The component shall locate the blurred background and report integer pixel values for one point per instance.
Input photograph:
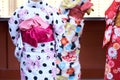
(7, 7)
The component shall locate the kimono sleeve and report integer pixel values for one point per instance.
(15, 34)
(111, 12)
(59, 30)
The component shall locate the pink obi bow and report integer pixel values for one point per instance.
(86, 6)
(36, 31)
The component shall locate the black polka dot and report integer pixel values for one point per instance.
(24, 63)
(44, 64)
(21, 54)
(37, 14)
(56, 21)
(17, 54)
(42, 45)
(26, 78)
(52, 22)
(51, 14)
(42, 51)
(41, 2)
(33, 6)
(40, 71)
(35, 78)
(17, 29)
(53, 63)
(47, 17)
(13, 37)
(18, 16)
(51, 43)
(32, 49)
(19, 48)
(29, 70)
(10, 29)
(39, 57)
(45, 78)
(16, 22)
(28, 56)
(51, 49)
(21, 69)
(57, 13)
(14, 13)
(50, 71)
(21, 7)
(46, 4)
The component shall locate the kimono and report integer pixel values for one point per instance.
(112, 41)
(68, 65)
(36, 30)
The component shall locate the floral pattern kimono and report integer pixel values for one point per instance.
(68, 65)
(36, 30)
(112, 41)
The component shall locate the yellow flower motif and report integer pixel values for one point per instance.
(69, 28)
(77, 51)
(61, 78)
(70, 3)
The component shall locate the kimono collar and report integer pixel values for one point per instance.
(39, 4)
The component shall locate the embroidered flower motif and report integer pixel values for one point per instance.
(62, 65)
(107, 35)
(61, 78)
(70, 56)
(69, 28)
(75, 38)
(70, 71)
(72, 78)
(112, 52)
(111, 63)
(64, 41)
(116, 46)
(108, 32)
(68, 47)
(115, 71)
(109, 76)
(117, 31)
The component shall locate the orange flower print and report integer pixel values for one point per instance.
(116, 46)
(115, 71)
(70, 71)
(64, 41)
(77, 22)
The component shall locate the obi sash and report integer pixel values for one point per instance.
(33, 34)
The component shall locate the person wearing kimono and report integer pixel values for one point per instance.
(36, 30)
(68, 65)
(112, 41)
